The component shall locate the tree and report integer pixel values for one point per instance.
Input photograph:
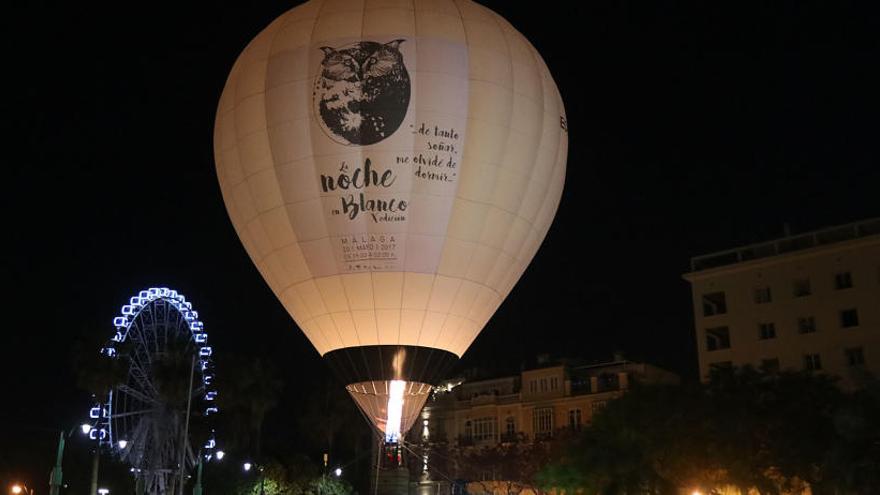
(746, 429)
(327, 485)
(249, 388)
(614, 455)
(329, 413)
(508, 468)
(96, 373)
(291, 475)
(852, 465)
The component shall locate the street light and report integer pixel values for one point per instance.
(103, 491)
(247, 466)
(86, 428)
(123, 444)
(338, 472)
(220, 455)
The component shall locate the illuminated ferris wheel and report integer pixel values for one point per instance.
(165, 380)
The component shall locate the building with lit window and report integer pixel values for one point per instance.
(535, 404)
(809, 301)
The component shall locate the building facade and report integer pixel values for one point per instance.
(534, 405)
(810, 301)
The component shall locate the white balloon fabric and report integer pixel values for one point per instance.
(391, 167)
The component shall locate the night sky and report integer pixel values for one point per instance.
(694, 127)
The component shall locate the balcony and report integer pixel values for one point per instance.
(605, 382)
(490, 399)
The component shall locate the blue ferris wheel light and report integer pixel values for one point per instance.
(97, 434)
(177, 300)
(97, 412)
(131, 321)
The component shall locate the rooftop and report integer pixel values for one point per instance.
(783, 245)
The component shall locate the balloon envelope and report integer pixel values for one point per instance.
(391, 167)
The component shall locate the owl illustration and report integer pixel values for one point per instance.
(362, 93)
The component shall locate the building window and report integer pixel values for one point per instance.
(714, 304)
(806, 324)
(484, 429)
(510, 426)
(554, 383)
(543, 384)
(849, 318)
(574, 419)
(468, 430)
(597, 406)
(762, 295)
(717, 338)
(767, 331)
(843, 280)
(854, 356)
(543, 422)
(812, 362)
(533, 386)
(770, 365)
(801, 287)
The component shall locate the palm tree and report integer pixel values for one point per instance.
(95, 373)
(329, 411)
(249, 389)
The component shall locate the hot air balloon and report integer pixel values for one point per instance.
(391, 167)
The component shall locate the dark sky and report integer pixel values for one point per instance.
(694, 127)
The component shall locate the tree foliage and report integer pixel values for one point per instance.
(328, 418)
(509, 468)
(771, 433)
(96, 373)
(505, 468)
(292, 475)
(249, 388)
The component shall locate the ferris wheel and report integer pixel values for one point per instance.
(165, 377)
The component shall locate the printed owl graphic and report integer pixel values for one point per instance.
(362, 93)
